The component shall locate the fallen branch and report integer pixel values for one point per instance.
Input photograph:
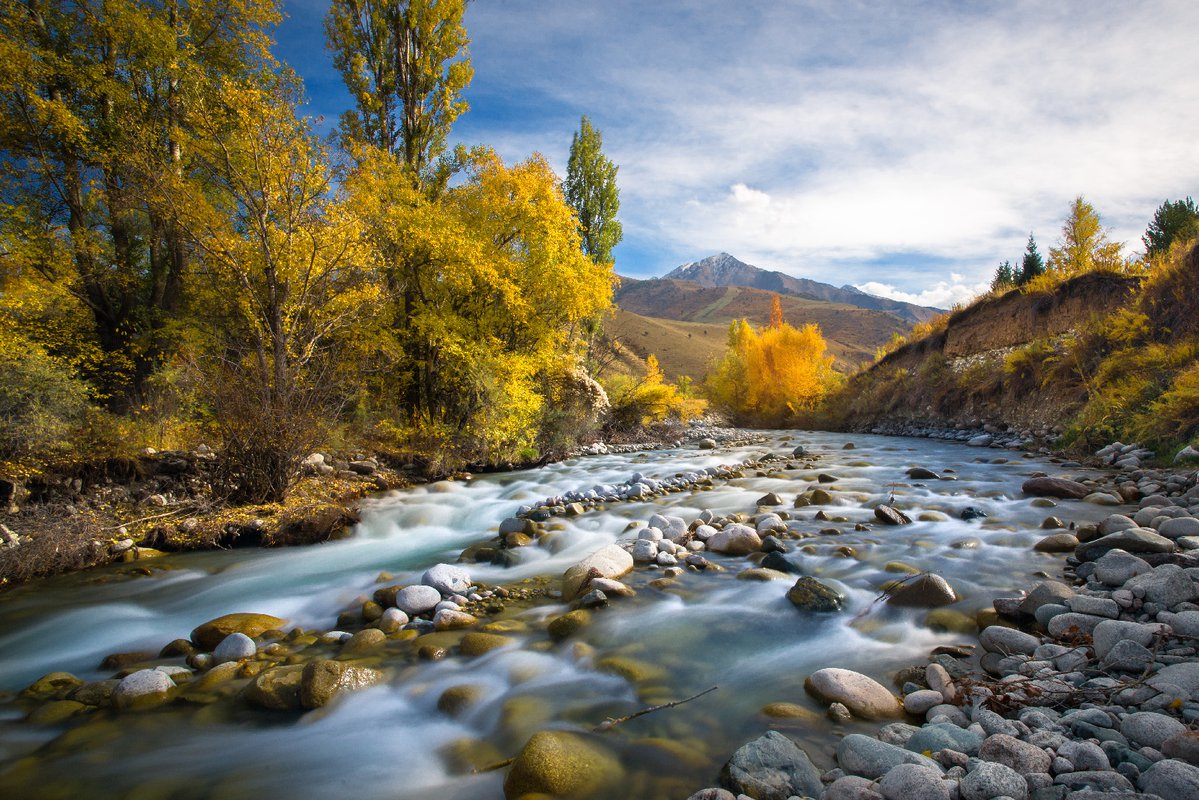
(493, 767)
(612, 722)
(147, 519)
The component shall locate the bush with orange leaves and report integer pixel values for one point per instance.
(772, 375)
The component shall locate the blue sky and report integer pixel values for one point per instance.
(903, 147)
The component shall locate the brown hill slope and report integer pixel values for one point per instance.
(853, 334)
(1027, 361)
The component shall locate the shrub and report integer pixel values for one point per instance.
(42, 403)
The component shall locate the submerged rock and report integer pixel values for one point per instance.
(143, 689)
(323, 680)
(561, 764)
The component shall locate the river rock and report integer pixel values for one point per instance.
(234, 647)
(611, 561)
(363, 642)
(417, 599)
(922, 474)
(1057, 543)
(276, 689)
(770, 499)
(998, 639)
(925, 591)
(864, 696)
(1179, 527)
(921, 700)
(323, 680)
(735, 540)
(1011, 752)
(870, 758)
(989, 780)
(771, 767)
(889, 515)
(476, 643)
(612, 588)
(1184, 746)
(1044, 593)
(561, 764)
(1106, 634)
(645, 551)
(1150, 729)
(907, 781)
(1055, 487)
(1133, 540)
(673, 528)
(1171, 779)
(568, 624)
(211, 633)
(449, 619)
(809, 594)
(447, 579)
(143, 689)
(1167, 586)
(1116, 567)
(938, 736)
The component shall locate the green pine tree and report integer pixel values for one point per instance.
(1173, 221)
(1032, 265)
(1005, 278)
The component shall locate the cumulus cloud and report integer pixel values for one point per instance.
(943, 294)
(851, 141)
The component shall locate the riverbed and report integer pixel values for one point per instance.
(669, 642)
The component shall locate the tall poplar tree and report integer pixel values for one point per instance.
(591, 191)
(406, 64)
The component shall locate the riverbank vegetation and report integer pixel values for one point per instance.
(1095, 348)
(185, 260)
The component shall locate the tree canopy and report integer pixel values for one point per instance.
(1084, 245)
(1173, 221)
(592, 192)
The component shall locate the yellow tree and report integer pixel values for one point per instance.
(1084, 245)
(767, 376)
(285, 279)
(497, 299)
(91, 111)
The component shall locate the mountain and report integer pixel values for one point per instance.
(685, 324)
(725, 270)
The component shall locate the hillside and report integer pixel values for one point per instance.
(1097, 357)
(725, 270)
(663, 308)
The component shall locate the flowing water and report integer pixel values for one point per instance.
(390, 741)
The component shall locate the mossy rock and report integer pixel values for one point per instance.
(52, 685)
(569, 624)
(791, 711)
(213, 632)
(276, 689)
(456, 699)
(325, 679)
(477, 643)
(563, 765)
(947, 619)
(631, 669)
(56, 711)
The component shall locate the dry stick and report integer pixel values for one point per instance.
(611, 723)
(607, 725)
(147, 519)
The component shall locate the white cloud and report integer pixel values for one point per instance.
(943, 294)
(853, 141)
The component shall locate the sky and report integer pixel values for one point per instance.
(903, 147)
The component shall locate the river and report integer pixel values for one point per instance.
(704, 630)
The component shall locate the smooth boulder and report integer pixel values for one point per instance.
(771, 767)
(211, 633)
(611, 561)
(863, 696)
(561, 764)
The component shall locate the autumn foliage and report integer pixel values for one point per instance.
(771, 375)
